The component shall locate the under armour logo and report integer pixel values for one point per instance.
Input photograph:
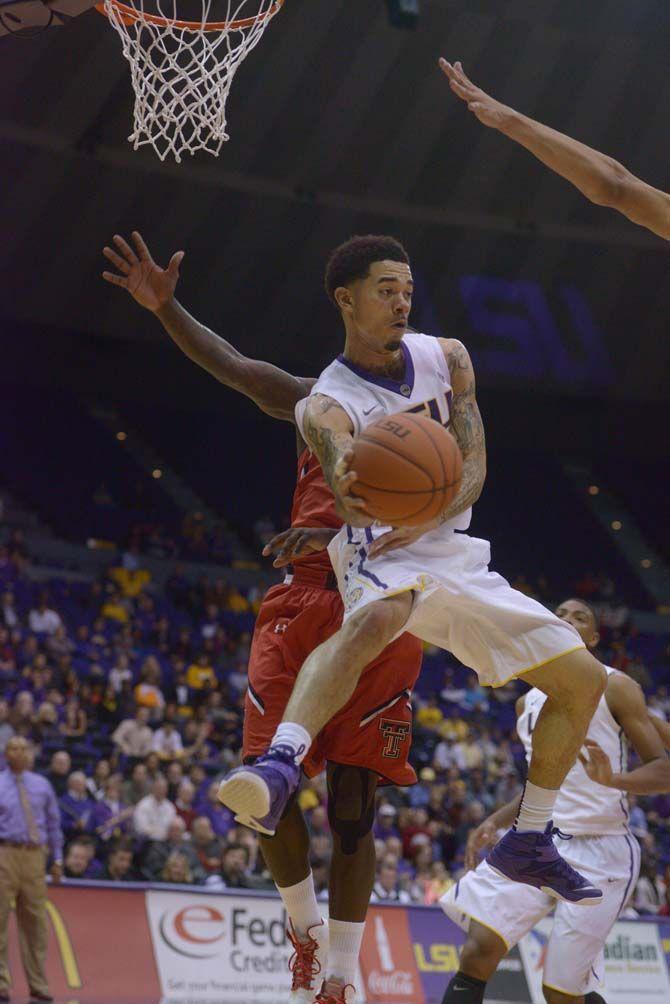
(395, 734)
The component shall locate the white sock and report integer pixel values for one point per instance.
(537, 806)
(293, 735)
(301, 905)
(345, 947)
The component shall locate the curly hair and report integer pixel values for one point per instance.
(352, 260)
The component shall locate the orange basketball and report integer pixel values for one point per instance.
(409, 468)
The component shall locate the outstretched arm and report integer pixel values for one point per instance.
(600, 178)
(627, 704)
(273, 390)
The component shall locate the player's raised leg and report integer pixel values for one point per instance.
(258, 794)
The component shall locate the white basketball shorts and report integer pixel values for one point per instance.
(459, 605)
(574, 961)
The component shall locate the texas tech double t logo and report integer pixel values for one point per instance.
(395, 734)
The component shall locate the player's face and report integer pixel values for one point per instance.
(381, 303)
(580, 617)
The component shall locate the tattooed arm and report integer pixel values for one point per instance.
(466, 427)
(329, 432)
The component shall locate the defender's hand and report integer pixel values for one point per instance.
(489, 111)
(400, 536)
(296, 543)
(485, 835)
(597, 766)
(149, 284)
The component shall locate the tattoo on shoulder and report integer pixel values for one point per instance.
(457, 356)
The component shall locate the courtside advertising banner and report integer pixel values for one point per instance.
(213, 948)
(141, 945)
(636, 966)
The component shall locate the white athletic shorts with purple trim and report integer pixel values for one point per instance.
(459, 605)
(574, 961)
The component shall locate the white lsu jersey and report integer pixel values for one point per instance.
(424, 389)
(584, 808)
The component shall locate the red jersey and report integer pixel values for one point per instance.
(313, 505)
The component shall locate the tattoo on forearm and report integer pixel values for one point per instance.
(326, 443)
(467, 428)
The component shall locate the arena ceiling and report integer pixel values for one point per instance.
(339, 124)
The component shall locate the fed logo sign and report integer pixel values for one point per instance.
(195, 930)
(212, 949)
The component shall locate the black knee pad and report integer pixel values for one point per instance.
(594, 998)
(351, 831)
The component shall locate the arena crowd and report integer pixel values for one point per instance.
(133, 696)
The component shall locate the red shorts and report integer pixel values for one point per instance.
(374, 729)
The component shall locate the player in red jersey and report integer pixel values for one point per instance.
(368, 741)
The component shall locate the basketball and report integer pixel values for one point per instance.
(409, 468)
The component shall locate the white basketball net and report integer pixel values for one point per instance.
(182, 75)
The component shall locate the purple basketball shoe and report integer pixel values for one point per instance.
(258, 794)
(531, 858)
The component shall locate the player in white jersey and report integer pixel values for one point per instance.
(591, 811)
(432, 580)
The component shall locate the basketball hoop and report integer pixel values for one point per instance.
(182, 71)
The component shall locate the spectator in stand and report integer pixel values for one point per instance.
(137, 786)
(112, 818)
(29, 823)
(176, 870)
(42, 619)
(475, 698)
(386, 822)
(167, 742)
(430, 715)
(115, 608)
(650, 889)
(8, 613)
(119, 866)
(120, 672)
(387, 885)
(46, 726)
(59, 771)
(233, 871)
(75, 720)
(176, 842)
(174, 773)
(6, 729)
(154, 813)
(95, 784)
(219, 816)
(148, 693)
(80, 861)
(184, 802)
(448, 754)
(23, 713)
(133, 736)
(200, 674)
(206, 844)
(416, 833)
(76, 807)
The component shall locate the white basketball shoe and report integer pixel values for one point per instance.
(308, 963)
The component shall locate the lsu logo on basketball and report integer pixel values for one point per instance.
(395, 428)
(395, 734)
